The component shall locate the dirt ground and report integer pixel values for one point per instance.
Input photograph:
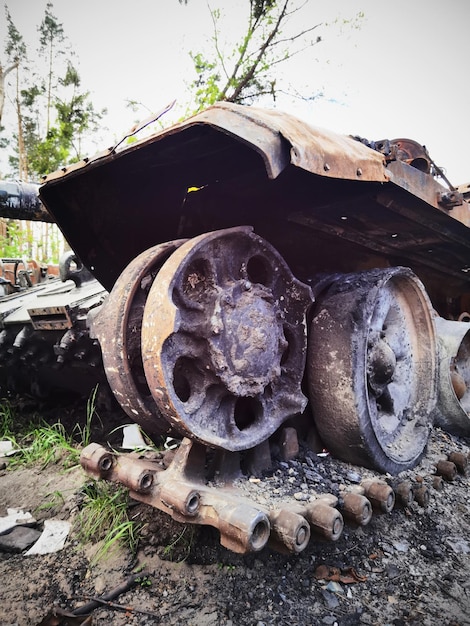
(411, 566)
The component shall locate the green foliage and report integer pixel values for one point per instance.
(84, 432)
(26, 241)
(54, 113)
(244, 73)
(43, 445)
(38, 442)
(104, 518)
(15, 47)
(206, 86)
(55, 500)
(247, 69)
(7, 419)
(15, 244)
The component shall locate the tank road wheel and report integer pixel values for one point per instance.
(372, 368)
(224, 341)
(453, 406)
(118, 329)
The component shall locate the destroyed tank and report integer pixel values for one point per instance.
(45, 346)
(271, 282)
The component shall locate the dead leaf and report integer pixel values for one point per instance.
(347, 576)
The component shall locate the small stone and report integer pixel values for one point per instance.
(330, 599)
(100, 585)
(301, 496)
(393, 571)
(19, 539)
(353, 477)
(334, 587)
(401, 546)
(458, 545)
(288, 444)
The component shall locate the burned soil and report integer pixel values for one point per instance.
(410, 566)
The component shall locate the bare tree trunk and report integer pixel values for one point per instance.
(29, 239)
(22, 156)
(3, 76)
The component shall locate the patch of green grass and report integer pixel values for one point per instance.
(45, 444)
(104, 517)
(84, 432)
(37, 442)
(55, 500)
(7, 420)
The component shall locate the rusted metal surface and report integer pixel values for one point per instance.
(460, 460)
(298, 187)
(371, 364)
(426, 188)
(404, 492)
(357, 508)
(182, 491)
(421, 495)
(453, 406)
(314, 149)
(118, 324)
(205, 336)
(224, 339)
(380, 494)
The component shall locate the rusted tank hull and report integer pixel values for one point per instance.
(326, 202)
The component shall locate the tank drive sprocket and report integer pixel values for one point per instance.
(224, 341)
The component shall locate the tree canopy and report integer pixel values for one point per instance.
(53, 112)
(249, 68)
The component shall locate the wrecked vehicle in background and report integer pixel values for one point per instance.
(268, 280)
(45, 346)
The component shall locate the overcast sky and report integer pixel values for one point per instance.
(403, 73)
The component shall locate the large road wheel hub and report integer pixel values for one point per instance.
(372, 368)
(223, 339)
(248, 342)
